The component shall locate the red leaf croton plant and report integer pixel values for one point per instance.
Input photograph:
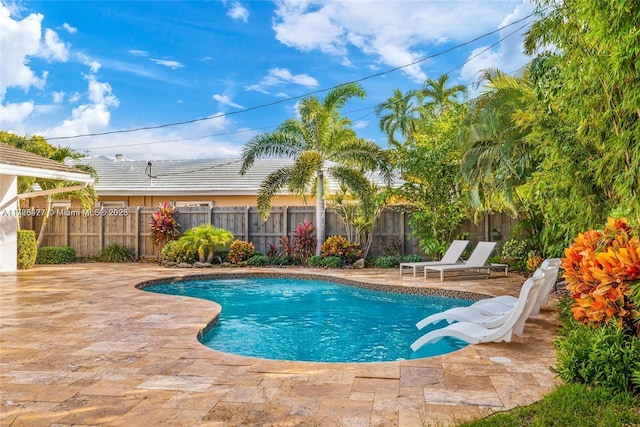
(601, 267)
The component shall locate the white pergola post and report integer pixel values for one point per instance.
(8, 223)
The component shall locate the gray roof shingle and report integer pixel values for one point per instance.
(16, 157)
(120, 176)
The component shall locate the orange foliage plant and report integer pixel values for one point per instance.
(599, 268)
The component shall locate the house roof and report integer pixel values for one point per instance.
(14, 161)
(120, 176)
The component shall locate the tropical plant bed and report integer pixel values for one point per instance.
(570, 405)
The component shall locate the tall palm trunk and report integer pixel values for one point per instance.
(45, 220)
(320, 226)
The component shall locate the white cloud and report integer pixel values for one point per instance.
(225, 100)
(281, 76)
(137, 52)
(167, 63)
(93, 65)
(205, 138)
(53, 49)
(88, 118)
(19, 40)
(69, 28)
(12, 116)
(508, 55)
(238, 12)
(58, 97)
(394, 33)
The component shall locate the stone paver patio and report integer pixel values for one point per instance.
(81, 346)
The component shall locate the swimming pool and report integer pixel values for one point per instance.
(315, 320)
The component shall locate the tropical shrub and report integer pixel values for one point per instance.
(386, 262)
(173, 251)
(259, 261)
(164, 225)
(600, 342)
(340, 247)
(315, 261)
(603, 356)
(204, 240)
(27, 249)
(602, 269)
(411, 258)
(514, 250)
(534, 259)
(433, 246)
(240, 251)
(304, 241)
(56, 255)
(115, 253)
(332, 262)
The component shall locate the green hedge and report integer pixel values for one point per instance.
(27, 249)
(56, 255)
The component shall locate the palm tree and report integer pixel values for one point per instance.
(499, 157)
(437, 98)
(204, 240)
(399, 114)
(319, 136)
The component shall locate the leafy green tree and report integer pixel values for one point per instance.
(588, 78)
(433, 191)
(319, 140)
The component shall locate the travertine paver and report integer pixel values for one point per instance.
(80, 345)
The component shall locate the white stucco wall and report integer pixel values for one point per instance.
(8, 224)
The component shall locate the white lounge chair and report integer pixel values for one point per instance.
(475, 334)
(452, 256)
(495, 314)
(488, 306)
(477, 262)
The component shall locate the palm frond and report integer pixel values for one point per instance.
(276, 144)
(270, 187)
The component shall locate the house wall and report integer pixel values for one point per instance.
(220, 201)
(8, 223)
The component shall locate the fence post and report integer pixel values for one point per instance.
(101, 233)
(136, 228)
(67, 238)
(246, 224)
(285, 221)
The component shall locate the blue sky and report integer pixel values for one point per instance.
(70, 68)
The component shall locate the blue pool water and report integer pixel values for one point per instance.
(310, 320)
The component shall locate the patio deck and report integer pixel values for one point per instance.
(80, 345)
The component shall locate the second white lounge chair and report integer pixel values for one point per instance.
(452, 256)
(477, 262)
(488, 306)
(475, 334)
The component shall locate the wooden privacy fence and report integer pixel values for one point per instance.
(89, 231)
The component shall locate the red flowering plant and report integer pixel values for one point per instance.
(602, 269)
(164, 225)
